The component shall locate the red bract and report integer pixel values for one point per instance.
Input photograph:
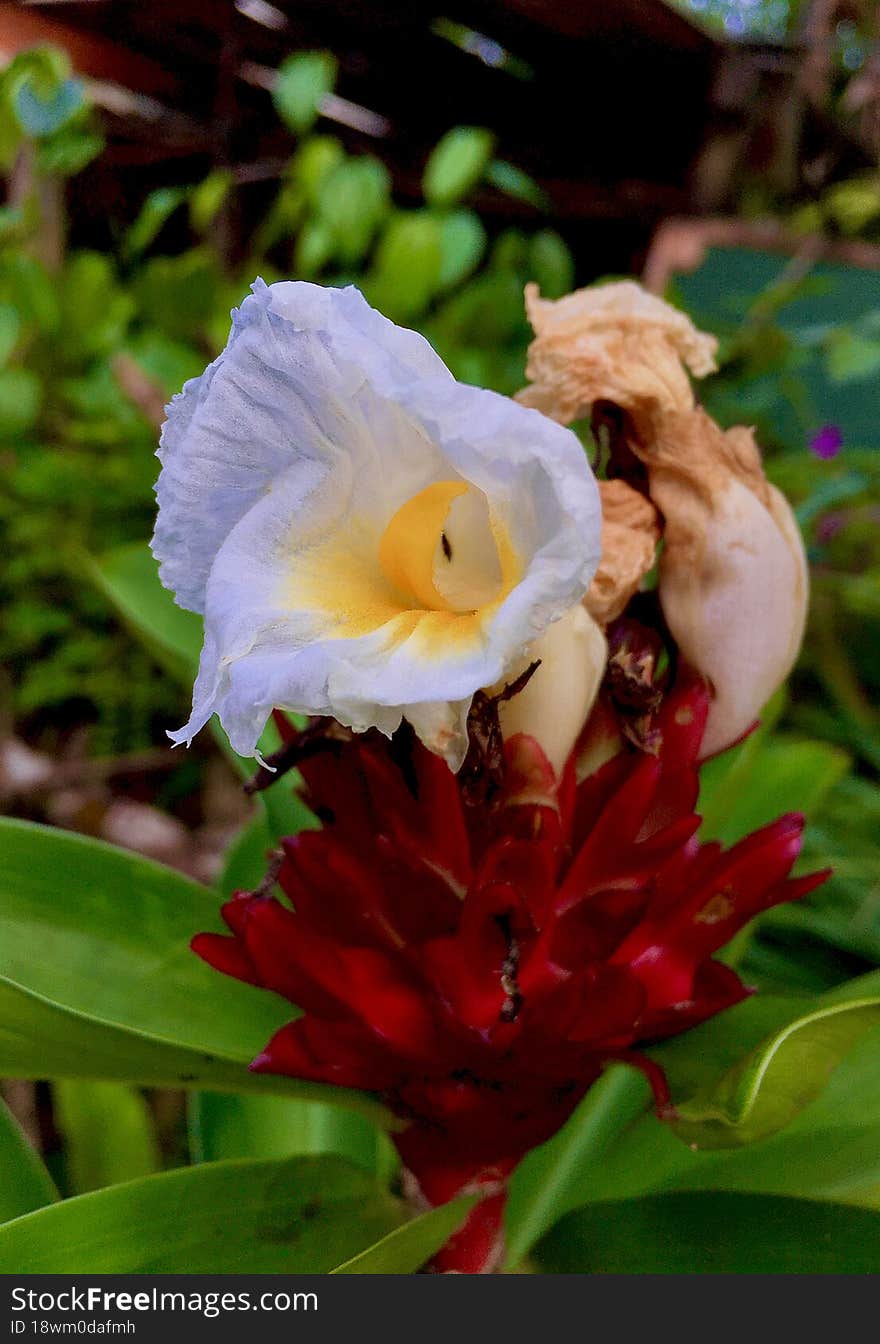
(478, 957)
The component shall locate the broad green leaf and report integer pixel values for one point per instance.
(25, 1184)
(130, 578)
(229, 1125)
(776, 1080)
(101, 983)
(301, 1215)
(247, 857)
(412, 1245)
(549, 1180)
(714, 1233)
(456, 164)
(765, 776)
(829, 1151)
(301, 83)
(108, 1132)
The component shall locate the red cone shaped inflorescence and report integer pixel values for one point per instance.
(478, 958)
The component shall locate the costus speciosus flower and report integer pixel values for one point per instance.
(478, 958)
(732, 575)
(366, 537)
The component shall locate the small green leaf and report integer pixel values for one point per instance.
(353, 199)
(412, 1245)
(456, 164)
(512, 181)
(108, 1133)
(714, 1233)
(10, 330)
(42, 114)
(21, 395)
(302, 81)
(25, 1184)
(551, 264)
(206, 200)
(850, 357)
(304, 1215)
(156, 210)
(462, 242)
(408, 262)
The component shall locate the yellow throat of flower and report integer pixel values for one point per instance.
(443, 549)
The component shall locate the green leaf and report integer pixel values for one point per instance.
(10, 330)
(408, 263)
(301, 1215)
(512, 181)
(714, 1233)
(353, 199)
(456, 164)
(462, 242)
(226, 1125)
(760, 782)
(302, 81)
(130, 578)
(206, 200)
(412, 1245)
(43, 113)
(21, 394)
(25, 1184)
(829, 1151)
(548, 1182)
(849, 356)
(765, 1091)
(108, 1133)
(315, 246)
(156, 210)
(551, 264)
(153, 1013)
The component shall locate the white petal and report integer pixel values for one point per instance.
(282, 471)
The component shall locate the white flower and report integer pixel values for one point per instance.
(366, 537)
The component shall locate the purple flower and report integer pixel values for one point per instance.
(826, 442)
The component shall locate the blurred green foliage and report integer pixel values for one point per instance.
(77, 448)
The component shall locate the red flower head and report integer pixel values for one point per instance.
(475, 948)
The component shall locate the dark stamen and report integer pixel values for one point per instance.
(444, 542)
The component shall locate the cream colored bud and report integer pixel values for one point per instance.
(630, 532)
(737, 608)
(554, 704)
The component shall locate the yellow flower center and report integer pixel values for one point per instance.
(441, 549)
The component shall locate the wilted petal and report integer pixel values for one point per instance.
(630, 532)
(613, 342)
